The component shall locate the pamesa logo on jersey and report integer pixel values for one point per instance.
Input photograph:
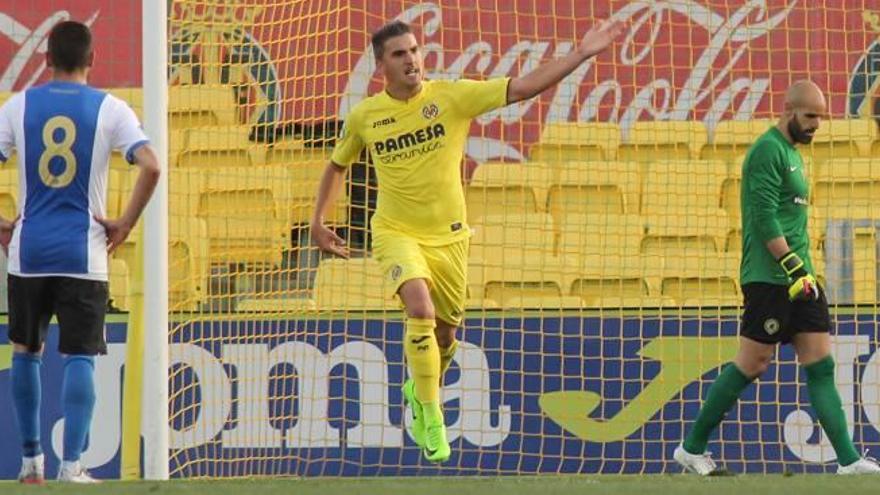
(210, 46)
(864, 83)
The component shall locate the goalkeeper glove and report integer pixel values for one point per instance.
(803, 286)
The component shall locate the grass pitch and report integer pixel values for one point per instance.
(532, 485)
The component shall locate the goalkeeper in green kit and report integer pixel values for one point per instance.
(783, 303)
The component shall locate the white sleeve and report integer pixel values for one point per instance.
(7, 127)
(126, 134)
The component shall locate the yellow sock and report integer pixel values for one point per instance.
(446, 355)
(423, 358)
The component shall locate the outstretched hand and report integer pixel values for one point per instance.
(328, 241)
(600, 37)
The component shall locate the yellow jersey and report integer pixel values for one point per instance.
(417, 148)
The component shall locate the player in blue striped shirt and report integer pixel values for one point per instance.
(64, 132)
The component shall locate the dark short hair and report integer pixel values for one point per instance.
(385, 33)
(70, 46)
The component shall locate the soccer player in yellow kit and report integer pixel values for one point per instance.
(415, 132)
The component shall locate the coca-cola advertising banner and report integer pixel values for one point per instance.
(304, 62)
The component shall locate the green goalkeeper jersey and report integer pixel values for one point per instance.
(774, 199)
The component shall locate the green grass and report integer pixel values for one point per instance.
(533, 485)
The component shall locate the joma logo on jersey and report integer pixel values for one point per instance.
(380, 123)
(409, 139)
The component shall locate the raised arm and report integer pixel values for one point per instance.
(597, 39)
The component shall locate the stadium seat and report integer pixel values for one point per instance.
(732, 138)
(119, 284)
(594, 187)
(733, 241)
(688, 280)
(603, 277)
(283, 305)
(847, 183)
(514, 240)
(293, 151)
(199, 105)
(188, 269)
(134, 96)
(220, 147)
(305, 177)
(542, 302)
(119, 186)
(842, 138)
(184, 185)
(491, 279)
(188, 263)
(675, 187)
(9, 189)
(576, 141)
(663, 140)
(242, 208)
(697, 232)
(506, 188)
(514, 289)
(583, 235)
(730, 197)
(353, 284)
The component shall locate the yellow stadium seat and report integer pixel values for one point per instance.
(184, 185)
(188, 268)
(730, 197)
(276, 305)
(733, 242)
(200, 105)
(692, 233)
(505, 188)
(608, 303)
(514, 240)
(594, 187)
(583, 235)
(715, 279)
(542, 302)
(188, 263)
(120, 183)
(842, 183)
(602, 280)
(577, 141)
(290, 152)
(479, 303)
(732, 138)
(242, 207)
(9, 189)
(220, 146)
(489, 279)
(677, 186)
(663, 140)
(119, 284)
(305, 177)
(842, 138)
(353, 284)
(512, 292)
(133, 96)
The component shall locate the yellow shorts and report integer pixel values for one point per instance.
(402, 258)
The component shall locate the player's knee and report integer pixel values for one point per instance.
(421, 309)
(755, 365)
(445, 335)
